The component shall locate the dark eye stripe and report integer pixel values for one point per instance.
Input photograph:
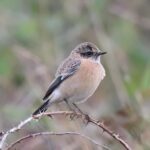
(87, 54)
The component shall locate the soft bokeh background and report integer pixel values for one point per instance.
(36, 35)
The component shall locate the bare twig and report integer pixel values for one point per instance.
(65, 113)
(14, 129)
(115, 136)
(56, 134)
(90, 120)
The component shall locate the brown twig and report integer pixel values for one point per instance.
(56, 134)
(12, 130)
(65, 113)
(115, 136)
(90, 120)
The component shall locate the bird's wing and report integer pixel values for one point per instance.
(67, 69)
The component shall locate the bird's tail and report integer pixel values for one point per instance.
(42, 108)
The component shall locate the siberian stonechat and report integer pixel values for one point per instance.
(77, 77)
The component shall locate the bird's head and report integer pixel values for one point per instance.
(88, 50)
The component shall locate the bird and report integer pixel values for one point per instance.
(76, 79)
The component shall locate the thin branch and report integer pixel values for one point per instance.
(64, 113)
(115, 136)
(12, 130)
(56, 134)
(90, 120)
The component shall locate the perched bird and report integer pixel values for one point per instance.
(77, 77)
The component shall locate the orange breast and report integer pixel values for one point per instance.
(84, 82)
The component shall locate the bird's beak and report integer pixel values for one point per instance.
(101, 53)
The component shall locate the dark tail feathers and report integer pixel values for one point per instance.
(42, 108)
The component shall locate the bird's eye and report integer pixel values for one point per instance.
(89, 53)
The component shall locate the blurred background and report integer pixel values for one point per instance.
(36, 35)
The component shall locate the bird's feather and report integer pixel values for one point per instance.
(66, 70)
(42, 108)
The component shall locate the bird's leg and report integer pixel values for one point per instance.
(70, 106)
(82, 113)
(79, 110)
